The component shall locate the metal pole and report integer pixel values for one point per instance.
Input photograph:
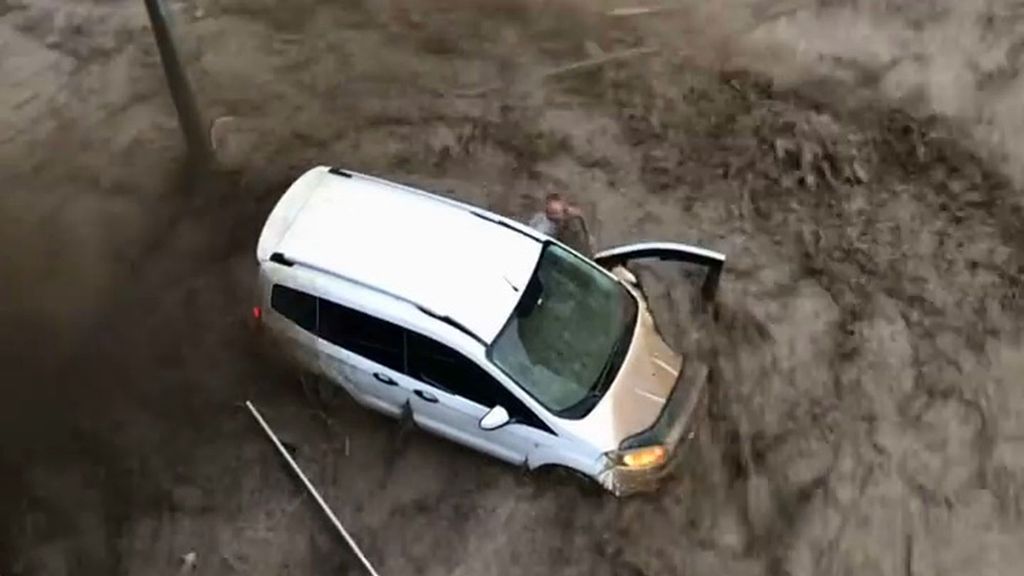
(189, 118)
(309, 486)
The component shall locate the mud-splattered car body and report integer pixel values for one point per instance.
(675, 390)
(478, 328)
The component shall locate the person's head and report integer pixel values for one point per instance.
(555, 207)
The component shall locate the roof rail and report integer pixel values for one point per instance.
(500, 222)
(339, 172)
(451, 322)
(280, 258)
(435, 196)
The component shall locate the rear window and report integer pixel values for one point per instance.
(294, 305)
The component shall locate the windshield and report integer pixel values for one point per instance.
(568, 335)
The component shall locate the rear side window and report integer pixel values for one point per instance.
(294, 305)
(372, 338)
(438, 365)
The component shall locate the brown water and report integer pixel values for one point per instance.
(866, 349)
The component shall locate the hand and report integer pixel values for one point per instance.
(573, 210)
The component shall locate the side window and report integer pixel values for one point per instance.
(360, 333)
(294, 305)
(436, 364)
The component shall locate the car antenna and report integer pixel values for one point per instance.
(511, 285)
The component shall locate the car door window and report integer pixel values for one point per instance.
(434, 363)
(360, 333)
(295, 305)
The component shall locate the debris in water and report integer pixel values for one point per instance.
(189, 561)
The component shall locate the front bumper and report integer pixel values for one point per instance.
(675, 428)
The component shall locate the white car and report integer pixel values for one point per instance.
(477, 327)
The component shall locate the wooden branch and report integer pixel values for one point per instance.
(637, 10)
(567, 69)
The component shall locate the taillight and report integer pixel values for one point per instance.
(257, 313)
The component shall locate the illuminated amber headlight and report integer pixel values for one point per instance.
(641, 458)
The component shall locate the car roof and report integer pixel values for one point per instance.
(455, 260)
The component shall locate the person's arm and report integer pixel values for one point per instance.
(574, 233)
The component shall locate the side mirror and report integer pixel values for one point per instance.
(495, 418)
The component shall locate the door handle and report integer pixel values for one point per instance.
(426, 396)
(384, 379)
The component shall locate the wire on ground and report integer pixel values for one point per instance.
(309, 486)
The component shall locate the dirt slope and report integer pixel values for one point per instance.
(866, 350)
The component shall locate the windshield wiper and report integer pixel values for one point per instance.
(605, 378)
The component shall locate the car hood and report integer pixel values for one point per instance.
(641, 389)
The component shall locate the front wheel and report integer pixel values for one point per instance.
(555, 475)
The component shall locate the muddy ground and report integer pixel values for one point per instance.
(856, 160)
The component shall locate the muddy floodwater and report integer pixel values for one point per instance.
(859, 163)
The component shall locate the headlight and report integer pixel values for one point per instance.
(640, 458)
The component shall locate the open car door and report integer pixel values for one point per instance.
(706, 262)
(672, 277)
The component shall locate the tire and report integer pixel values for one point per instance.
(555, 475)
